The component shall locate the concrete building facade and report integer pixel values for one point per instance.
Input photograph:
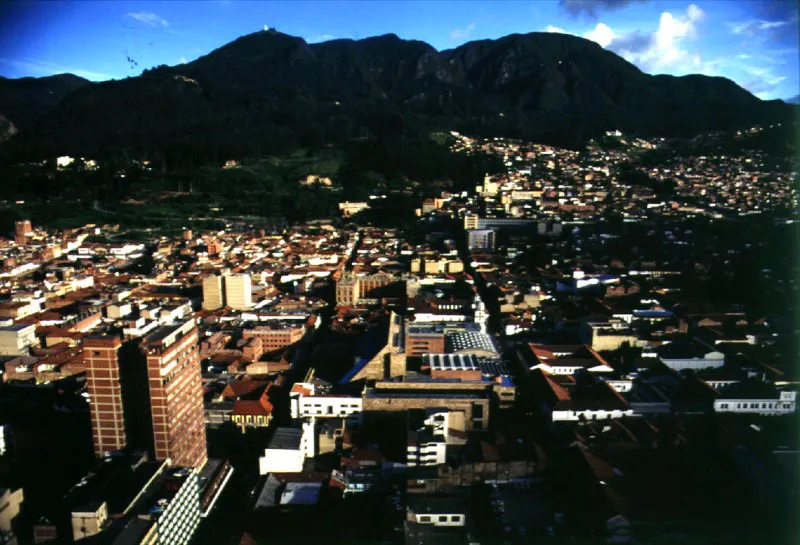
(238, 292)
(16, 339)
(212, 293)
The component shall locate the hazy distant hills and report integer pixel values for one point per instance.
(268, 91)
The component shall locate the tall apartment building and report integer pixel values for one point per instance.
(176, 394)
(238, 292)
(22, 229)
(106, 410)
(148, 394)
(212, 293)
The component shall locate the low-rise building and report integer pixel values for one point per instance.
(286, 451)
(747, 399)
(16, 339)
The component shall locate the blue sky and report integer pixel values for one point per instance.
(754, 43)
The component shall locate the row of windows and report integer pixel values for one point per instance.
(341, 405)
(755, 405)
(441, 518)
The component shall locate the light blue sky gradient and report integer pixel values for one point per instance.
(754, 43)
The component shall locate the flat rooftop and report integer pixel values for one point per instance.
(15, 327)
(114, 481)
(286, 439)
(160, 493)
(421, 394)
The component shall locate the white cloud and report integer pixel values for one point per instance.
(664, 49)
(462, 33)
(602, 34)
(148, 18)
(694, 13)
(322, 38)
(183, 60)
(753, 27)
(661, 50)
(50, 69)
(671, 46)
(762, 81)
(757, 71)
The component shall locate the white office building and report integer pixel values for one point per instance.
(238, 292)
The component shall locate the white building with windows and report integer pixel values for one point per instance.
(287, 450)
(304, 404)
(437, 511)
(16, 339)
(329, 406)
(680, 356)
(427, 444)
(786, 403)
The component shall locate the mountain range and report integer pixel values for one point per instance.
(268, 91)
(23, 101)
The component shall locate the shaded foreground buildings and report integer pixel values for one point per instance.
(148, 432)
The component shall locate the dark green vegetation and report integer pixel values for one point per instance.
(268, 93)
(263, 190)
(23, 101)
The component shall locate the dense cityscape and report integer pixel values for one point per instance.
(588, 346)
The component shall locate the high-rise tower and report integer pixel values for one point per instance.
(101, 355)
(22, 230)
(176, 394)
(212, 292)
(238, 292)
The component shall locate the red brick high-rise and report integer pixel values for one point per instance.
(176, 394)
(22, 229)
(105, 396)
